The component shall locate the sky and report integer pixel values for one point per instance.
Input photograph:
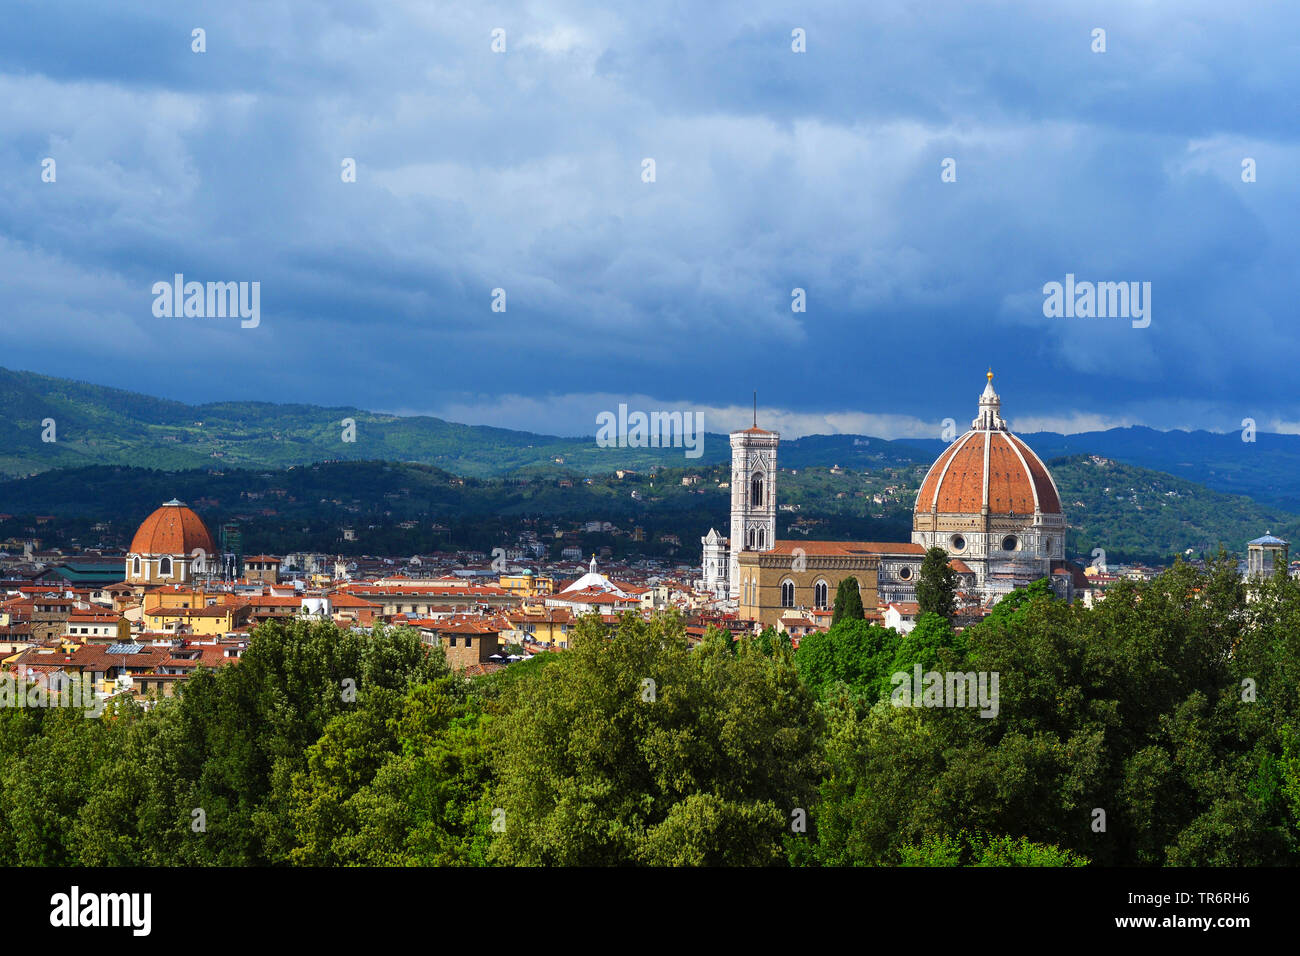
(774, 170)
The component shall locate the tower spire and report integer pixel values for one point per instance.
(755, 408)
(990, 411)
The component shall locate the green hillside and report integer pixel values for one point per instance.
(1132, 513)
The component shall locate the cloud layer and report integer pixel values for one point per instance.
(774, 170)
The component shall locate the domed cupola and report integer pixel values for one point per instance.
(170, 547)
(991, 501)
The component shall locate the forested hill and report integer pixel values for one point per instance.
(1133, 513)
(95, 425)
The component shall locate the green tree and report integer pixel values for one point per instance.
(983, 850)
(936, 586)
(409, 790)
(853, 653)
(848, 602)
(932, 643)
(228, 751)
(43, 786)
(634, 748)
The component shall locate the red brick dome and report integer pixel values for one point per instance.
(1018, 482)
(172, 529)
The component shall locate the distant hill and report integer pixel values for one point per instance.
(96, 425)
(1133, 513)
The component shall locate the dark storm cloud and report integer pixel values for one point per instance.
(775, 170)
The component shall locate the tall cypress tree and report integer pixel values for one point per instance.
(848, 602)
(936, 588)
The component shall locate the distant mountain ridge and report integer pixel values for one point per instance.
(100, 425)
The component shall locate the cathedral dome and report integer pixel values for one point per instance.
(988, 471)
(1017, 483)
(172, 529)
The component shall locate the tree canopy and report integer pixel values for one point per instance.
(1160, 727)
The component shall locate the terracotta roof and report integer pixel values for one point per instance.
(462, 627)
(172, 529)
(1018, 482)
(343, 599)
(553, 615)
(845, 548)
(425, 590)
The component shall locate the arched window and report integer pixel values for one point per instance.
(165, 567)
(787, 594)
(820, 595)
(762, 539)
(135, 566)
(756, 491)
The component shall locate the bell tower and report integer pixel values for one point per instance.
(753, 495)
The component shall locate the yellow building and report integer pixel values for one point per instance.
(214, 620)
(541, 625)
(527, 584)
(807, 574)
(176, 598)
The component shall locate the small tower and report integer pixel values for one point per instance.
(715, 563)
(1264, 556)
(753, 495)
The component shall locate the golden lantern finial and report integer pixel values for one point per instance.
(990, 373)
